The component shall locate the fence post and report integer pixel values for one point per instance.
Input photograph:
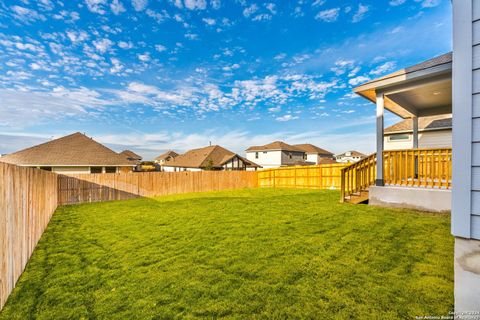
(342, 185)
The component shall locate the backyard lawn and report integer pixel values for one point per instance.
(262, 253)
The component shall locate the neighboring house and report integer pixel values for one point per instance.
(433, 132)
(75, 153)
(349, 156)
(130, 155)
(466, 155)
(315, 154)
(276, 154)
(164, 157)
(208, 158)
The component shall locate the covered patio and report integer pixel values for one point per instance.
(387, 177)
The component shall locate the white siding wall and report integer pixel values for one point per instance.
(475, 196)
(466, 119)
(313, 157)
(71, 170)
(173, 169)
(427, 139)
(266, 159)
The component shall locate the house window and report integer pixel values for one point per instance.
(256, 155)
(290, 156)
(95, 169)
(46, 168)
(304, 156)
(264, 152)
(399, 137)
(110, 169)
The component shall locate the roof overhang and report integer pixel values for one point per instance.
(419, 93)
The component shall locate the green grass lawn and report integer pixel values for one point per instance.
(239, 254)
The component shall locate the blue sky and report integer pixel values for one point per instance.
(158, 74)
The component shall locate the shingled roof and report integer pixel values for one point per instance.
(130, 155)
(310, 148)
(166, 155)
(276, 145)
(200, 158)
(440, 122)
(73, 150)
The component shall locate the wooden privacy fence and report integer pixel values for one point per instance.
(83, 188)
(28, 198)
(323, 176)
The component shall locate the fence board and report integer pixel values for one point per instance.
(323, 176)
(28, 198)
(83, 188)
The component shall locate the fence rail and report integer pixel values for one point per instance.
(83, 188)
(323, 176)
(28, 198)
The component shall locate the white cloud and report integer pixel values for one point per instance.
(160, 48)
(429, 3)
(139, 5)
(125, 45)
(102, 45)
(96, 6)
(26, 15)
(287, 117)
(360, 14)
(247, 12)
(280, 56)
(191, 36)
(144, 57)
(354, 72)
(77, 36)
(271, 7)
(358, 80)
(117, 7)
(116, 66)
(318, 3)
(397, 2)
(329, 15)
(209, 21)
(387, 66)
(262, 16)
(195, 4)
(215, 4)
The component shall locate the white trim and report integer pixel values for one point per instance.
(462, 78)
(380, 140)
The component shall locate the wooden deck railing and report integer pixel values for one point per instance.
(358, 176)
(427, 168)
(422, 168)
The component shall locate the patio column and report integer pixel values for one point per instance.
(415, 132)
(380, 112)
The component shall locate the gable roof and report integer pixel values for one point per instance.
(276, 145)
(440, 122)
(130, 155)
(353, 153)
(169, 153)
(310, 148)
(200, 158)
(73, 150)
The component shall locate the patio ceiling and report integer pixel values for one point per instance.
(421, 90)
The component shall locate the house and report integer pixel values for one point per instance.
(466, 155)
(276, 154)
(72, 154)
(161, 159)
(433, 132)
(208, 158)
(349, 156)
(314, 154)
(130, 155)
